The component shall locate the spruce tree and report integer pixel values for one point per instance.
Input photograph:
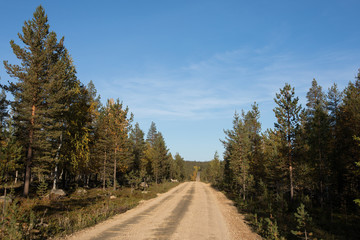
(150, 138)
(180, 167)
(138, 146)
(333, 103)
(239, 144)
(161, 159)
(214, 170)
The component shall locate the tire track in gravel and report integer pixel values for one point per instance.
(192, 211)
(115, 230)
(210, 206)
(171, 222)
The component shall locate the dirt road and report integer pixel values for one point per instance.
(192, 210)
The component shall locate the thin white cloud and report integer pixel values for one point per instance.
(228, 81)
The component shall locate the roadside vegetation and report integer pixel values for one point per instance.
(67, 161)
(301, 179)
(43, 218)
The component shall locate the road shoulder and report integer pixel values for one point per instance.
(235, 221)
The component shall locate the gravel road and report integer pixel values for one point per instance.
(192, 210)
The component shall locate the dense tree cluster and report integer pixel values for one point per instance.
(55, 131)
(309, 157)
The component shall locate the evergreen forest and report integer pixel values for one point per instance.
(298, 180)
(55, 134)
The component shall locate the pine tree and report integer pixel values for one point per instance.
(275, 164)
(255, 156)
(46, 78)
(287, 114)
(349, 152)
(241, 144)
(334, 102)
(303, 221)
(114, 146)
(318, 137)
(3, 113)
(103, 145)
(119, 129)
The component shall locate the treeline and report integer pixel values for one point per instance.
(55, 132)
(300, 179)
(193, 167)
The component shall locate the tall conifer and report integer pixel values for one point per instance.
(45, 80)
(287, 115)
(318, 136)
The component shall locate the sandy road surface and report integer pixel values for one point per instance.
(192, 210)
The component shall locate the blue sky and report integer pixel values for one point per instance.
(189, 65)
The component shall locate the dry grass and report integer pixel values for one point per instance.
(75, 212)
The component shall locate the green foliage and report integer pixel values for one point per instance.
(189, 169)
(10, 155)
(303, 220)
(271, 230)
(157, 162)
(287, 114)
(10, 229)
(45, 89)
(310, 156)
(178, 168)
(37, 219)
(133, 179)
(242, 152)
(138, 146)
(214, 171)
(357, 201)
(42, 188)
(18, 223)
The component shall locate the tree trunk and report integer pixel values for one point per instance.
(4, 206)
(290, 168)
(56, 163)
(55, 177)
(104, 171)
(29, 157)
(291, 181)
(87, 180)
(244, 180)
(28, 166)
(115, 170)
